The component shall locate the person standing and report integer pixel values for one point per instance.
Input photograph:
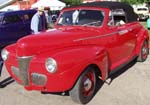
(48, 18)
(38, 21)
(148, 23)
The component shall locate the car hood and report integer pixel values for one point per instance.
(53, 39)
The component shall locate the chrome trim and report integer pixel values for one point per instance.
(25, 57)
(38, 79)
(93, 37)
(23, 65)
(123, 32)
(15, 71)
(107, 66)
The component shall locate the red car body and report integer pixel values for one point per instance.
(75, 48)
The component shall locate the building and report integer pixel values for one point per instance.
(85, 1)
(24, 4)
(21, 4)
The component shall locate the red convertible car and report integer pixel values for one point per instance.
(89, 40)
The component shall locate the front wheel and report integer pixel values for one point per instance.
(84, 88)
(144, 52)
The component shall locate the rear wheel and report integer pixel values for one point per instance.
(144, 52)
(84, 89)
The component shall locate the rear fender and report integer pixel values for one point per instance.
(142, 36)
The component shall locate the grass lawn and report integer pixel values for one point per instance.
(144, 24)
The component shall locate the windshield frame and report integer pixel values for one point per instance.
(82, 8)
(142, 9)
(1, 19)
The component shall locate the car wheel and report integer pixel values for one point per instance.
(84, 88)
(144, 52)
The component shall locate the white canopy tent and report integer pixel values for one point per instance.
(10, 8)
(52, 4)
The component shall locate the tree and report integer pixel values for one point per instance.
(72, 2)
(134, 1)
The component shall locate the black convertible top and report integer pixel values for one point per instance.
(131, 16)
(107, 4)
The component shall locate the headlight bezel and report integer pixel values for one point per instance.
(51, 64)
(4, 54)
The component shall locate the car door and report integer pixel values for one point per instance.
(27, 16)
(123, 42)
(127, 40)
(113, 48)
(7, 30)
(12, 29)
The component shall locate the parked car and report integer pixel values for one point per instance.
(143, 13)
(89, 41)
(55, 15)
(54, 18)
(14, 25)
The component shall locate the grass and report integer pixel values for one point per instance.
(145, 25)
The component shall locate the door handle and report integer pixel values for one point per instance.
(130, 29)
(122, 32)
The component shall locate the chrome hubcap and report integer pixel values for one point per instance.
(87, 84)
(144, 50)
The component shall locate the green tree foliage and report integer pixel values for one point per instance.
(135, 1)
(72, 2)
(76, 2)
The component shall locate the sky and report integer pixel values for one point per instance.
(1, 1)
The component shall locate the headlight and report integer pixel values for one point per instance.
(4, 54)
(51, 65)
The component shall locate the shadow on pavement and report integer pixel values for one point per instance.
(122, 70)
(6, 82)
(1, 66)
(114, 75)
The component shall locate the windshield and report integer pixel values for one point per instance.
(1, 19)
(142, 9)
(82, 17)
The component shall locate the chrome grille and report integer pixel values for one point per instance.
(39, 79)
(23, 65)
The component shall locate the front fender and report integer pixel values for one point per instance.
(73, 61)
